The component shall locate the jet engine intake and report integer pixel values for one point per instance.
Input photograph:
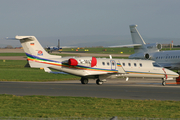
(159, 46)
(147, 56)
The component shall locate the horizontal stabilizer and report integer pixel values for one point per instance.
(24, 37)
(130, 45)
(7, 38)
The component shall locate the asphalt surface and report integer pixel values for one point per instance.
(140, 89)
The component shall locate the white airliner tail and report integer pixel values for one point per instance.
(138, 42)
(32, 46)
(136, 37)
(34, 51)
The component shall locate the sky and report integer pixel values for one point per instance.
(88, 22)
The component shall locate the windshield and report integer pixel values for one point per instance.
(156, 64)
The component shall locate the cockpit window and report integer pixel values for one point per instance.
(156, 64)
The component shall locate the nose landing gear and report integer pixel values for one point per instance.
(163, 82)
(98, 82)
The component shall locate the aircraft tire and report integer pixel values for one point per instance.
(84, 81)
(98, 82)
(163, 83)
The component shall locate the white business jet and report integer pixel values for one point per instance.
(91, 67)
(168, 59)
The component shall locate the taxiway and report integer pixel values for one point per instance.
(139, 89)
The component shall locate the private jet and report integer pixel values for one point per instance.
(99, 69)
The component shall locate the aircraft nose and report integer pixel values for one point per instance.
(171, 73)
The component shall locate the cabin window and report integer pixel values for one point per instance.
(156, 64)
(140, 64)
(103, 63)
(156, 57)
(107, 63)
(123, 64)
(134, 64)
(112, 63)
(166, 57)
(129, 64)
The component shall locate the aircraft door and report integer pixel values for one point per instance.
(120, 67)
(113, 64)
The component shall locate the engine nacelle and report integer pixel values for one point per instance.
(137, 56)
(154, 47)
(92, 61)
(140, 56)
(72, 62)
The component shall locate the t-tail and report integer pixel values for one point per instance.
(36, 54)
(143, 51)
(137, 39)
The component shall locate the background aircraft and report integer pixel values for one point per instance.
(168, 59)
(58, 48)
(91, 67)
(54, 48)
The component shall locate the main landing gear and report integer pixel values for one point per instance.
(85, 81)
(163, 82)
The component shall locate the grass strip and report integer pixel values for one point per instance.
(12, 54)
(14, 70)
(51, 107)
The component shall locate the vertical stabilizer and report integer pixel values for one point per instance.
(32, 46)
(36, 55)
(136, 37)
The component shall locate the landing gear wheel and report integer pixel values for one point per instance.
(163, 83)
(98, 82)
(84, 81)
